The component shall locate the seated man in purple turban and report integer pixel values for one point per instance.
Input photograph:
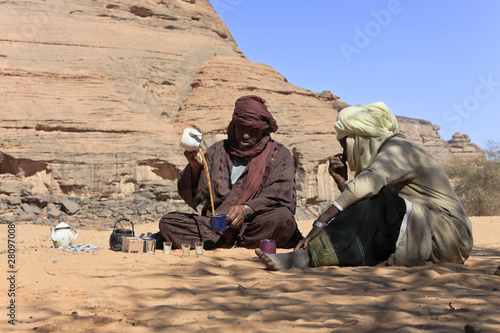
(253, 182)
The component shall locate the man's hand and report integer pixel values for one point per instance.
(302, 244)
(236, 216)
(338, 170)
(191, 158)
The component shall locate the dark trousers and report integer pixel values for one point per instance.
(362, 234)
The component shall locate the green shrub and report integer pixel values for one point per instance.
(477, 182)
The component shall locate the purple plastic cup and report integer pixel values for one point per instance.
(218, 222)
(268, 246)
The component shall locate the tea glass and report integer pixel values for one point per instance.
(199, 248)
(167, 247)
(186, 248)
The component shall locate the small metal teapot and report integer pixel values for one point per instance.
(116, 238)
(63, 234)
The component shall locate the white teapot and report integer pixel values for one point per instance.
(191, 139)
(63, 234)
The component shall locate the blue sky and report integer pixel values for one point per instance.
(432, 60)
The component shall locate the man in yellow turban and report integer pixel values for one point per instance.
(399, 207)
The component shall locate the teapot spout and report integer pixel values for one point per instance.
(51, 234)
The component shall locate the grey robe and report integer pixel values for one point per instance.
(438, 228)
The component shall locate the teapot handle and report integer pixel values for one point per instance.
(76, 232)
(124, 219)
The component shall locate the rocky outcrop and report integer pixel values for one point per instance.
(461, 145)
(426, 135)
(95, 95)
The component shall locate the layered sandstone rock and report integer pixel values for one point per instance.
(95, 95)
(426, 135)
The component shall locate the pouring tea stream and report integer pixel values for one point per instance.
(191, 141)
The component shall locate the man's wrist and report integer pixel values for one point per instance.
(248, 212)
(317, 223)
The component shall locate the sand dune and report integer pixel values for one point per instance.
(107, 291)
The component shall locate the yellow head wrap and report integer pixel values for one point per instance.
(367, 128)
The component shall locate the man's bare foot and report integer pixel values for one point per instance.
(278, 261)
(391, 261)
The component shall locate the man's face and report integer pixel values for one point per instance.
(343, 144)
(247, 138)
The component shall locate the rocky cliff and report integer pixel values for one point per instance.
(95, 95)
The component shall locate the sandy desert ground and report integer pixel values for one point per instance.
(107, 291)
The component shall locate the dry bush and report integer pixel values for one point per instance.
(477, 183)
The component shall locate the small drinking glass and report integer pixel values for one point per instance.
(186, 248)
(167, 247)
(268, 245)
(150, 246)
(199, 248)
